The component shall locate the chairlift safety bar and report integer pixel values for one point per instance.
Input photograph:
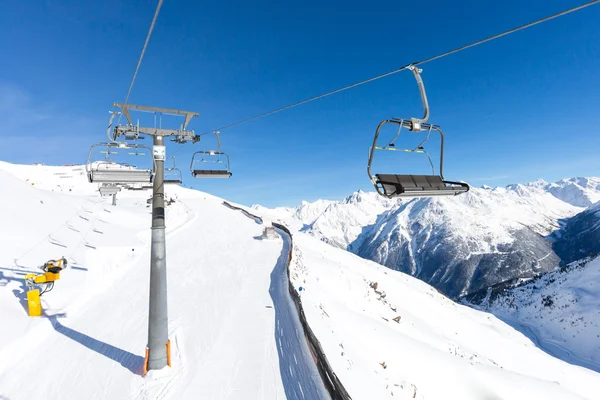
(407, 124)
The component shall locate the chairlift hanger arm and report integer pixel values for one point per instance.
(112, 117)
(174, 167)
(417, 122)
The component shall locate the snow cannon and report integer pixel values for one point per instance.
(37, 285)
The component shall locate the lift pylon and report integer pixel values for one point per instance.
(158, 353)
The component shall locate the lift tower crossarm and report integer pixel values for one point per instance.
(127, 107)
(121, 130)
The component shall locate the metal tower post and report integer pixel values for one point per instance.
(158, 350)
(158, 321)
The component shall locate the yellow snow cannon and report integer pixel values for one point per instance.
(40, 284)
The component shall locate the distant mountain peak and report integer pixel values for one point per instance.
(459, 244)
(539, 182)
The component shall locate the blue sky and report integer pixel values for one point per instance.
(513, 110)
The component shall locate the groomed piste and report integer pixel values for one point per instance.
(233, 332)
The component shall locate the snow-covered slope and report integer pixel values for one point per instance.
(90, 342)
(391, 336)
(558, 309)
(230, 335)
(580, 235)
(463, 244)
(340, 223)
(460, 245)
(337, 222)
(581, 192)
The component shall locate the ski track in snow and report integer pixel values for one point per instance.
(233, 330)
(300, 379)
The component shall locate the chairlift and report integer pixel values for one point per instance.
(173, 175)
(108, 189)
(393, 185)
(220, 161)
(108, 171)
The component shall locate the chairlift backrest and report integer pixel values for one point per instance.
(394, 185)
(113, 172)
(173, 175)
(203, 156)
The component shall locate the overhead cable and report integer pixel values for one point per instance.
(137, 68)
(436, 57)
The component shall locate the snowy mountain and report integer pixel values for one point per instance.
(580, 235)
(580, 192)
(460, 245)
(338, 223)
(393, 336)
(464, 245)
(559, 309)
(386, 334)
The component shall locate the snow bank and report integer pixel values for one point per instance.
(91, 339)
(559, 310)
(388, 335)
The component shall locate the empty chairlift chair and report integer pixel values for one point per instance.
(119, 173)
(396, 185)
(219, 161)
(173, 175)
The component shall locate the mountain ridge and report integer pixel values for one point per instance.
(460, 244)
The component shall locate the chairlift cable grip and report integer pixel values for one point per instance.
(416, 122)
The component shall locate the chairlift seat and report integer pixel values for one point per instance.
(211, 173)
(419, 185)
(173, 175)
(109, 190)
(120, 176)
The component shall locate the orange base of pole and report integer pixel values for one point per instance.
(169, 352)
(145, 367)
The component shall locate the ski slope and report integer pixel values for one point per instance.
(228, 322)
(232, 326)
(559, 310)
(437, 349)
